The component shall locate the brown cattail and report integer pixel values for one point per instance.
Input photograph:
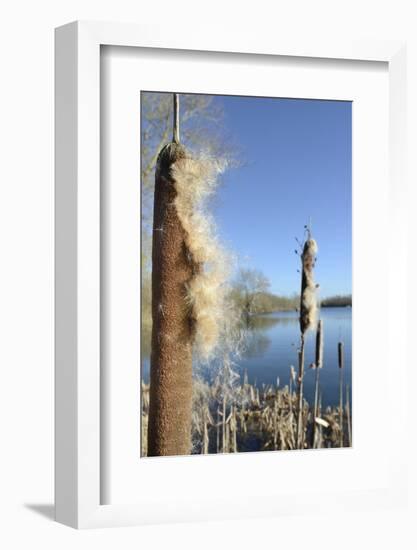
(319, 345)
(341, 362)
(169, 431)
(308, 301)
(318, 366)
(187, 299)
(318, 362)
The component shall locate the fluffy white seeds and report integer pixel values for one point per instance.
(195, 181)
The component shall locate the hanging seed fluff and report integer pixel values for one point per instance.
(196, 179)
(308, 302)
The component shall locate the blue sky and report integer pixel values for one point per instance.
(296, 167)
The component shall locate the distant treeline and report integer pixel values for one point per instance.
(266, 302)
(262, 302)
(337, 301)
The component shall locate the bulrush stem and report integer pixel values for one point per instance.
(300, 426)
(292, 380)
(234, 431)
(318, 366)
(348, 419)
(224, 425)
(341, 361)
(218, 431)
(176, 125)
(319, 432)
(205, 443)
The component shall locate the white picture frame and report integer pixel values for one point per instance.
(78, 411)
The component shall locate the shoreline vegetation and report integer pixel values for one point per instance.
(337, 301)
(266, 302)
(248, 418)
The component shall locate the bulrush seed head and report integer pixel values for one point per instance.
(308, 302)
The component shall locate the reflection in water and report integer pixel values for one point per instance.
(270, 348)
(273, 342)
(257, 341)
(261, 322)
(256, 344)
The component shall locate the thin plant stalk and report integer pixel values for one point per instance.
(319, 442)
(224, 425)
(318, 366)
(315, 407)
(348, 419)
(227, 447)
(205, 445)
(276, 422)
(341, 361)
(292, 382)
(176, 124)
(234, 431)
(218, 431)
(300, 427)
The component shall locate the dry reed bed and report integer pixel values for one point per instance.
(257, 419)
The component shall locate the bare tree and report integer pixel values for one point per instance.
(249, 285)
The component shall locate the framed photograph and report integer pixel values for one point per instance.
(228, 213)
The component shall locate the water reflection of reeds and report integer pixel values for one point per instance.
(257, 341)
(269, 347)
(263, 322)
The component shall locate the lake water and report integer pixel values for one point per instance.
(274, 343)
(272, 347)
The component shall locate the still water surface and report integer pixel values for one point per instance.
(272, 348)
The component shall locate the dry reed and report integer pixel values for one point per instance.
(250, 420)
